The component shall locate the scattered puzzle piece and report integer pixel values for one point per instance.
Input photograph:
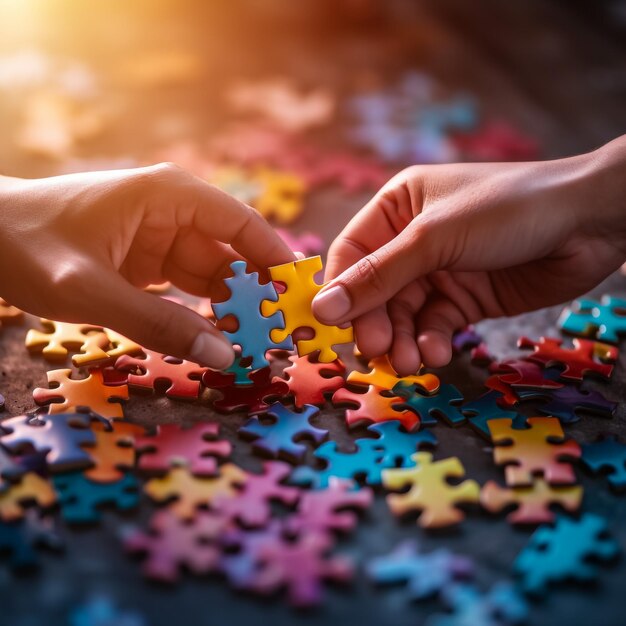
(282, 195)
(429, 408)
(607, 456)
(532, 502)
(171, 544)
(196, 448)
(563, 552)
(101, 611)
(94, 353)
(188, 492)
(30, 488)
(81, 498)
(179, 378)
(465, 339)
(253, 335)
(539, 449)
(486, 408)
(429, 492)
(604, 320)
(586, 357)
(308, 381)
(281, 437)
(19, 540)
(10, 314)
(295, 303)
(10, 467)
(91, 392)
(426, 574)
(61, 437)
(58, 338)
(383, 376)
(307, 243)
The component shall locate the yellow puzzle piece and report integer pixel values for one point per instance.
(31, 488)
(383, 376)
(281, 195)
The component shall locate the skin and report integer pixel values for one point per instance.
(443, 246)
(79, 248)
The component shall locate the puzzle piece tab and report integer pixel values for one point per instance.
(295, 303)
(609, 457)
(445, 403)
(429, 491)
(59, 338)
(486, 408)
(604, 320)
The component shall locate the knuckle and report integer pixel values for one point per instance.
(368, 270)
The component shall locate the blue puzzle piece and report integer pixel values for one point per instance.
(393, 448)
(486, 408)
(241, 373)
(425, 574)
(80, 498)
(253, 334)
(562, 552)
(502, 605)
(604, 320)
(19, 539)
(430, 407)
(280, 437)
(608, 455)
(101, 611)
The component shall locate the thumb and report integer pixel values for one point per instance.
(157, 323)
(377, 277)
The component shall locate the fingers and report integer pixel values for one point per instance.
(373, 333)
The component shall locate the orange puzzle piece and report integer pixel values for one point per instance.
(281, 195)
(540, 449)
(31, 488)
(188, 492)
(429, 490)
(295, 305)
(383, 376)
(89, 392)
(96, 352)
(10, 314)
(532, 502)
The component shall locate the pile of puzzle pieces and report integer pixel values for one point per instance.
(76, 454)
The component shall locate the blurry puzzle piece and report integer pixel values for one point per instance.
(282, 195)
(31, 488)
(497, 140)
(308, 243)
(9, 314)
(607, 456)
(19, 540)
(604, 320)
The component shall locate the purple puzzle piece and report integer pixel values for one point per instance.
(465, 339)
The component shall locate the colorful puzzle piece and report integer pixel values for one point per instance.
(487, 408)
(179, 378)
(196, 447)
(252, 398)
(251, 507)
(100, 610)
(281, 436)
(539, 449)
(61, 437)
(19, 540)
(604, 320)
(188, 492)
(171, 544)
(295, 303)
(330, 509)
(307, 243)
(429, 491)
(10, 467)
(282, 195)
(532, 502)
(383, 376)
(607, 456)
(81, 498)
(96, 352)
(30, 489)
(445, 403)
(253, 334)
(465, 339)
(58, 338)
(91, 392)
(563, 552)
(308, 381)
(586, 357)
(426, 574)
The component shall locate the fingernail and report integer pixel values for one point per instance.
(207, 349)
(332, 304)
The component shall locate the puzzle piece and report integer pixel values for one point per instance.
(308, 381)
(429, 408)
(383, 376)
(196, 447)
(498, 140)
(607, 456)
(253, 335)
(352, 172)
(101, 611)
(295, 303)
(281, 436)
(10, 467)
(188, 492)
(60, 437)
(486, 408)
(429, 491)
(113, 450)
(604, 320)
(30, 488)
(171, 544)
(252, 398)
(282, 195)
(330, 509)
(465, 339)
(9, 314)
(532, 502)
(237, 182)
(563, 552)
(426, 574)
(251, 506)
(307, 243)
(81, 498)
(91, 392)
(19, 540)
(179, 378)
(58, 338)
(586, 357)
(392, 448)
(374, 407)
(95, 352)
(539, 449)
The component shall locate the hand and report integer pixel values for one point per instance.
(79, 248)
(443, 246)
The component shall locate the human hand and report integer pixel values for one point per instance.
(79, 248)
(443, 246)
